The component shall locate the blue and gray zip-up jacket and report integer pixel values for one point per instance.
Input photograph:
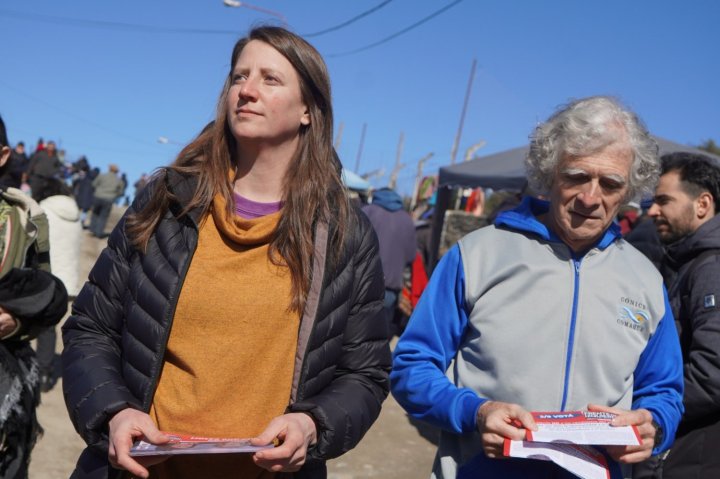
(511, 314)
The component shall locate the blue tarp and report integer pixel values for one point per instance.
(354, 181)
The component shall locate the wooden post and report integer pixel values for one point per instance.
(453, 152)
(338, 136)
(418, 178)
(398, 165)
(360, 148)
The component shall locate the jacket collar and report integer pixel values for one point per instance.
(524, 218)
(183, 187)
(707, 236)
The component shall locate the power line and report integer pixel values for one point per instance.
(397, 34)
(133, 27)
(76, 22)
(345, 24)
(72, 115)
(140, 28)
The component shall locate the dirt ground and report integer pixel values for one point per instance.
(393, 447)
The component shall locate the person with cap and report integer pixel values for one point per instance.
(44, 165)
(107, 188)
(396, 233)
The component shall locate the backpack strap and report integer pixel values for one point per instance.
(42, 242)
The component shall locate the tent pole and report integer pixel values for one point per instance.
(441, 205)
(360, 148)
(398, 166)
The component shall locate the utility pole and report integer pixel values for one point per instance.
(453, 152)
(338, 136)
(418, 179)
(398, 165)
(360, 148)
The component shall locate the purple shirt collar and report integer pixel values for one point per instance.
(249, 209)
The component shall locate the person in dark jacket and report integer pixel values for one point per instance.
(44, 165)
(30, 299)
(687, 200)
(239, 296)
(107, 188)
(644, 237)
(16, 167)
(83, 190)
(396, 233)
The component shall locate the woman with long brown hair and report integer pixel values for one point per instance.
(240, 295)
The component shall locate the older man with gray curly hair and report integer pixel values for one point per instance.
(549, 309)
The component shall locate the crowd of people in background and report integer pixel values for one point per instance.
(37, 171)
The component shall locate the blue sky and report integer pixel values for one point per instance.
(106, 79)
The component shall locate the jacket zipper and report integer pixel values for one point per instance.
(571, 337)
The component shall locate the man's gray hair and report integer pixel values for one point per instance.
(584, 127)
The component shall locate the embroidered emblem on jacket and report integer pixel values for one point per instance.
(632, 314)
(709, 301)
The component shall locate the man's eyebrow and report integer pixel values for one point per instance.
(616, 178)
(573, 171)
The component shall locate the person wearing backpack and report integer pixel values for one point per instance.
(685, 207)
(31, 299)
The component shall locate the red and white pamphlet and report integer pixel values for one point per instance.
(582, 427)
(583, 461)
(566, 438)
(187, 444)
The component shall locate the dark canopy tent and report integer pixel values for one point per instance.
(503, 170)
(500, 171)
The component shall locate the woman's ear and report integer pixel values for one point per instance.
(305, 118)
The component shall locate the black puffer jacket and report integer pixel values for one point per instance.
(116, 337)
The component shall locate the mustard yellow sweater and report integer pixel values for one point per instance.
(229, 360)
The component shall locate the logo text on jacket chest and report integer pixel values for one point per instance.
(633, 314)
